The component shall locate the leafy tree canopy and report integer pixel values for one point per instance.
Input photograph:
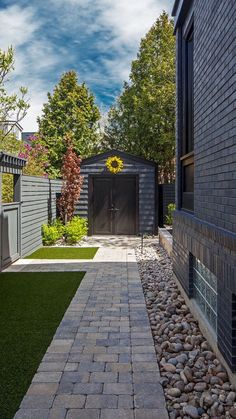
(143, 119)
(70, 111)
(13, 107)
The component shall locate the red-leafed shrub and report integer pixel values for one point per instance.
(72, 184)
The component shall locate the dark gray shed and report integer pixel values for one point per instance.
(122, 203)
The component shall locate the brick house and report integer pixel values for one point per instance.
(204, 231)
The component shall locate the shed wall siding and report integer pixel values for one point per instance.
(37, 194)
(146, 190)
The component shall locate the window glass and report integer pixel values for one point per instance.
(205, 291)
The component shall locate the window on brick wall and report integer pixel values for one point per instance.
(187, 143)
(205, 291)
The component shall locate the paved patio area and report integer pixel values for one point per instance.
(118, 241)
(101, 363)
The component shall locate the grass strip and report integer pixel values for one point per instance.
(31, 308)
(64, 253)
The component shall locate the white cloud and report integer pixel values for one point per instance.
(38, 97)
(34, 56)
(17, 26)
(129, 20)
(125, 23)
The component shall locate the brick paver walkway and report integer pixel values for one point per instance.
(101, 363)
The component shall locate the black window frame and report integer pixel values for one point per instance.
(187, 137)
(187, 54)
(187, 195)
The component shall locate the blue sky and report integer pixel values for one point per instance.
(97, 38)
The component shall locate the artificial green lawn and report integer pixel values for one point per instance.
(64, 253)
(32, 305)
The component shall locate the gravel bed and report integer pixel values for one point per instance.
(195, 383)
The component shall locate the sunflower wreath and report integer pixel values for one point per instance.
(114, 164)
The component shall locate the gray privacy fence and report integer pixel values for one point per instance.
(166, 197)
(38, 206)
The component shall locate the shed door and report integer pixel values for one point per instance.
(114, 205)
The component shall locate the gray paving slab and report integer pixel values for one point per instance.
(101, 363)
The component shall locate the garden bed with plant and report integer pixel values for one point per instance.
(69, 234)
(68, 229)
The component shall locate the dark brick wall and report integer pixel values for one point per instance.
(216, 248)
(166, 196)
(214, 111)
(210, 233)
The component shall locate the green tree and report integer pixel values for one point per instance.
(143, 119)
(70, 111)
(13, 107)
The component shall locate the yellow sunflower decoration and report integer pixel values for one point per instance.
(114, 164)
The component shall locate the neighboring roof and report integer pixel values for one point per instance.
(11, 161)
(123, 154)
(26, 135)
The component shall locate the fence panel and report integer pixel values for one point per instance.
(38, 207)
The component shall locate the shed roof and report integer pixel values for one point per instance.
(123, 154)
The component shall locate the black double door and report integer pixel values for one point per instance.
(114, 204)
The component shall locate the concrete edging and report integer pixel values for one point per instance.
(166, 240)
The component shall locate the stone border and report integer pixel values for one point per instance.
(206, 329)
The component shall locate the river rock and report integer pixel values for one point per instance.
(231, 397)
(180, 385)
(208, 400)
(189, 387)
(188, 373)
(188, 346)
(232, 412)
(205, 346)
(173, 392)
(169, 367)
(173, 361)
(200, 386)
(191, 411)
(215, 380)
(195, 382)
(183, 377)
(223, 376)
(182, 358)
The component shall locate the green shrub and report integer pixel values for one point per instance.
(59, 225)
(73, 231)
(76, 229)
(169, 216)
(52, 232)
